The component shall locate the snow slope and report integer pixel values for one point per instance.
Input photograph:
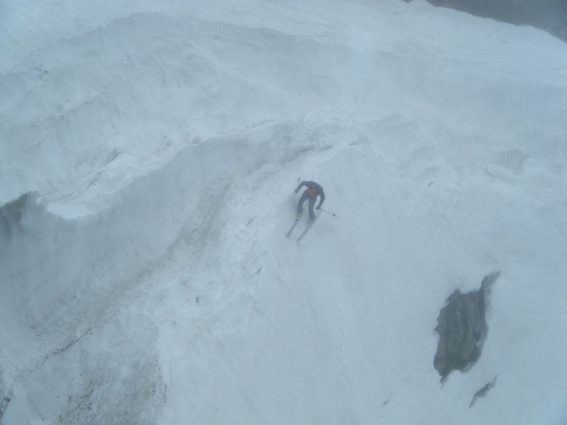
(149, 158)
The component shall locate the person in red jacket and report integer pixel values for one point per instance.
(313, 190)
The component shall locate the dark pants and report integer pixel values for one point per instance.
(302, 200)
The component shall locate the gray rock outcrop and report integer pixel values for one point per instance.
(483, 391)
(548, 15)
(462, 329)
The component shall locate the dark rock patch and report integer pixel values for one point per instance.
(547, 15)
(462, 329)
(483, 391)
(3, 406)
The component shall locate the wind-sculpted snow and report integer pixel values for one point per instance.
(149, 156)
(66, 278)
(61, 275)
(134, 89)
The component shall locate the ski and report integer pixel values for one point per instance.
(293, 225)
(309, 226)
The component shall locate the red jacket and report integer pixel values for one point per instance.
(313, 190)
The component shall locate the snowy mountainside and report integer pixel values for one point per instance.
(147, 276)
(81, 113)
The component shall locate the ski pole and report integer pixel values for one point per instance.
(328, 212)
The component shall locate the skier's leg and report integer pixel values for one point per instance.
(311, 205)
(303, 198)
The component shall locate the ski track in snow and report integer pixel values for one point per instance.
(147, 278)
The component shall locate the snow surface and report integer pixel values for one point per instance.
(145, 278)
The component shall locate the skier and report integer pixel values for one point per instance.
(313, 190)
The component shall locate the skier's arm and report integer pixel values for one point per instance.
(303, 183)
(322, 195)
